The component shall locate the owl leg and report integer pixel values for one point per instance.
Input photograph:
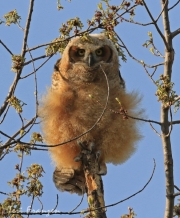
(68, 179)
(90, 147)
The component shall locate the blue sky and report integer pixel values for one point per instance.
(123, 180)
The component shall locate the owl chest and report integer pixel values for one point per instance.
(87, 108)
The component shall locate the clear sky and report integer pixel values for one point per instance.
(123, 180)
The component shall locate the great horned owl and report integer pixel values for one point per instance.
(67, 110)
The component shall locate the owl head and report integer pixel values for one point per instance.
(81, 60)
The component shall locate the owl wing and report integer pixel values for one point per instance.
(122, 82)
(69, 180)
(56, 75)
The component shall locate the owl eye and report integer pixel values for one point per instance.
(81, 52)
(99, 52)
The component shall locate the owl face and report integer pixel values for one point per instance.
(90, 57)
(81, 60)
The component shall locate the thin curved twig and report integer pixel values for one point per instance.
(57, 201)
(79, 203)
(174, 5)
(155, 130)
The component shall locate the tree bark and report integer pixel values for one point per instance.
(94, 183)
(166, 141)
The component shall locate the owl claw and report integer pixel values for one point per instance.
(70, 180)
(98, 154)
(102, 169)
(78, 158)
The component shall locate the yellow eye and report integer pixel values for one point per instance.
(81, 52)
(99, 52)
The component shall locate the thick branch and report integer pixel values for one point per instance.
(168, 159)
(175, 33)
(94, 183)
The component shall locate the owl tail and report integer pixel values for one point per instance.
(68, 179)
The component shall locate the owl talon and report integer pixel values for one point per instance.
(68, 179)
(78, 158)
(98, 154)
(91, 146)
(102, 169)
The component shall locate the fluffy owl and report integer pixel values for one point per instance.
(68, 111)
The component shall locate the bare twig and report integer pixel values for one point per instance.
(3, 193)
(17, 133)
(35, 59)
(174, 5)
(40, 203)
(154, 129)
(37, 68)
(5, 114)
(171, 126)
(149, 74)
(31, 206)
(79, 203)
(57, 200)
(176, 187)
(140, 62)
(6, 47)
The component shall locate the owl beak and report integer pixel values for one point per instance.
(90, 60)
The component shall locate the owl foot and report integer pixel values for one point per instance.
(70, 180)
(102, 169)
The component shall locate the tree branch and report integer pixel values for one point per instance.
(175, 33)
(155, 23)
(165, 136)
(174, 5)
(35, 59)
(23, 52)
(6, 47)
